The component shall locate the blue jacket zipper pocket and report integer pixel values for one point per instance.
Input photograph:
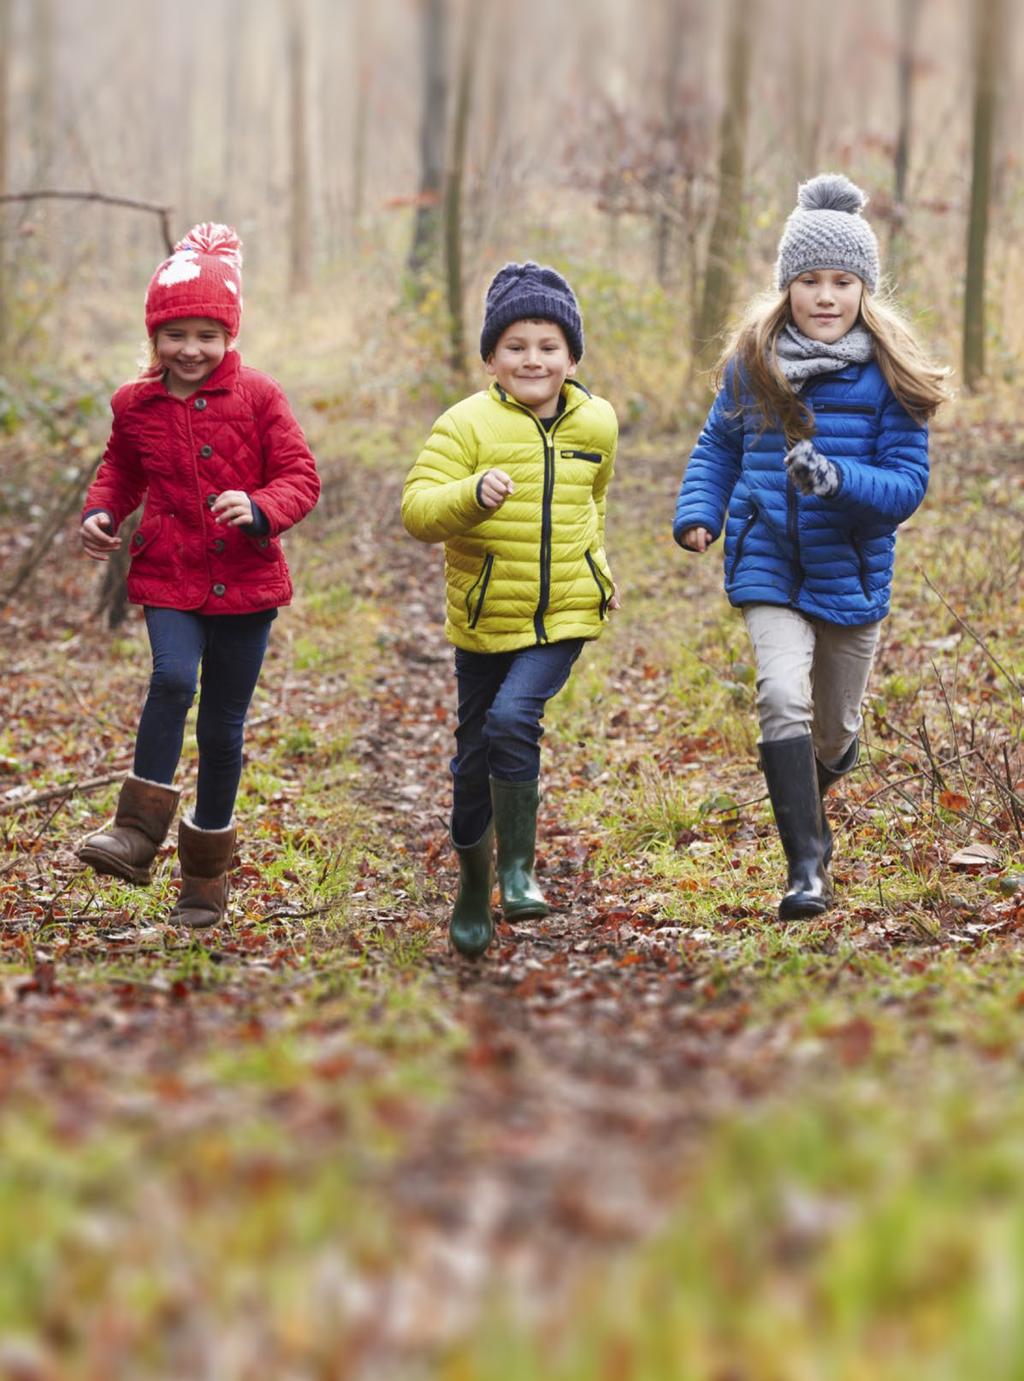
(741, 540)
(851, 409)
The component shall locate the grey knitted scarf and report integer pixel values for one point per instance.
(801, 358)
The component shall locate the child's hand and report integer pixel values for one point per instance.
(615, 602)
(233, 507)
(696, 539)
(98, 538)
(811, 472)
(494, 488)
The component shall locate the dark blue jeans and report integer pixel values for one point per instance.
(502, 697)
(230, 649)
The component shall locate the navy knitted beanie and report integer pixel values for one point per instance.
(521, 292)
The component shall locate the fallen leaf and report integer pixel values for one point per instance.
(974, 856)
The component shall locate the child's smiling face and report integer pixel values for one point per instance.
(531, 361)
(825, 303)
(189, 349)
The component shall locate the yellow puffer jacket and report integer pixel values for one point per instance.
(533, 570)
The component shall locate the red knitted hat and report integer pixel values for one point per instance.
(203, 277)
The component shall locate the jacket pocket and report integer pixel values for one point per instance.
(847, 409)
(603, 593)
(269, 548)
(741, 540)
(153, 547)
(595, 457)
(477, 592)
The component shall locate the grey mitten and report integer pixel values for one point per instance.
(811, 472)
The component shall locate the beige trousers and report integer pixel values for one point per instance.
(811, 677)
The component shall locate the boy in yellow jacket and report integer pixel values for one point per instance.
(513, 482)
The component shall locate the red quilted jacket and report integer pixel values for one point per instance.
(235, 432)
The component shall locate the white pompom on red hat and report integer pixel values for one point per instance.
(203, 277)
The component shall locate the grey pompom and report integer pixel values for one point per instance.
(831, 192)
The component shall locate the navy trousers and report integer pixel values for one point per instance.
(230, 649)
(502, 698)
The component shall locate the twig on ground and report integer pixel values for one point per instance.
(1014, 683)
(295, 915)
(956, 736)
(936, 779)
(41, 830)
(66, 792)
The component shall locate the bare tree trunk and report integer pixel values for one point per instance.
(726, 229)
(300, 255)
(492, 188)
(5, 67)
(496, 116)
(987, 31)
(675, 17)
(810, 82)
(43, 90)
(113, 596)
(234, 31)
(909, 12)
(184, 96)
(434, 69)
(453, 189)
(360, 122)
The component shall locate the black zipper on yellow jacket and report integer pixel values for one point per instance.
(547, 440)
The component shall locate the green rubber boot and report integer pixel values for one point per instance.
(471, 928)
(515, 824)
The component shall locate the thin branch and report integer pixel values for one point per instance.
(51, 793)
(1014, 683)
(67, 502)
(53, 194)
(913, 777)
(28, 848)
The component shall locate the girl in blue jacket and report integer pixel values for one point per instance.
(817, 446)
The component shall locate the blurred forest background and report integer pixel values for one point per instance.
(381, 160)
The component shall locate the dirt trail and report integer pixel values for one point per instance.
(595, 1052)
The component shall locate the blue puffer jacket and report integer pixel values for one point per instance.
(830, 558)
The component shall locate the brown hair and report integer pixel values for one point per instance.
(918, 383)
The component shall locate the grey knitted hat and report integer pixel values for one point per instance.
(519, 292)
(827, 231)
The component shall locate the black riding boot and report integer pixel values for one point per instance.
(789, 769)
(827, 778)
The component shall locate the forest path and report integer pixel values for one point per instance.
(595, 1051)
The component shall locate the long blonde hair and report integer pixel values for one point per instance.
(918, 383)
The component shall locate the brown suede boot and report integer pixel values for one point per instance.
(143, 817)
(205, 857)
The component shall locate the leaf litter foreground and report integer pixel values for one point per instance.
(315, 1143)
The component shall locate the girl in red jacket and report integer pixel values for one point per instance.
(224, 468)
